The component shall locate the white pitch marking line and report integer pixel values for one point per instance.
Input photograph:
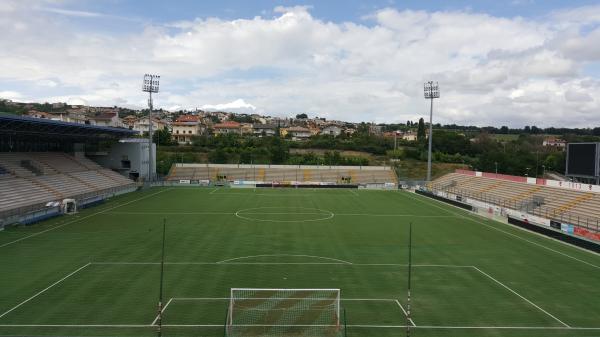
(175, 213)
(396, 215)
(424, 327)
(227, 298)
(516, 293)
(162, 311)
(44, 290)
(284, 263)
(405, 313)
(351, 191)
(213, 191)
(283, 255)
(508, 233)
(83, 218)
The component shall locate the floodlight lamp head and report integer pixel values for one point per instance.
(151, 83)
(432, 90)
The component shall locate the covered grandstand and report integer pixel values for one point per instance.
(43, 163)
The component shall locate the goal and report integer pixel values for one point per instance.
(284, 312)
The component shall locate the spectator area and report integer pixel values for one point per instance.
(31, 179)
(561, 204)
(283, 173)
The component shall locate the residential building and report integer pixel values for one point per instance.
(106, 119)
(375, 129)
(246, 128)
(297, 133)
(409, 136)
(332, 130)
(185, 127)
(39, 114)
(142, 125)
(129, 121)
(555, 143)
(264, 130)
(227, 127)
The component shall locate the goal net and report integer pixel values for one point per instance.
(283, 312)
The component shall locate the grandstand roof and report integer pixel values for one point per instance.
(39, 126)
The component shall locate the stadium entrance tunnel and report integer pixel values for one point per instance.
(284, 214)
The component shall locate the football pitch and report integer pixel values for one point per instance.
(97, 273)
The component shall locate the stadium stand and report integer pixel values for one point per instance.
(44, 171)
(32, 179)
(560, 204)
(283, 173)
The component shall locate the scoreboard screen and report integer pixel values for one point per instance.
(582, 159)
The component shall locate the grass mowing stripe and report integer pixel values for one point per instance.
(44, 290)
(525, 299)
(82, 218)
(511, 234)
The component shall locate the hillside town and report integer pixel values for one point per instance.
(183, 126)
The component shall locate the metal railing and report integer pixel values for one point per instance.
(23, 210)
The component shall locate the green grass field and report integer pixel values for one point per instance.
(96, 273)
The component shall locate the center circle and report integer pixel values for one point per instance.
(284, 214)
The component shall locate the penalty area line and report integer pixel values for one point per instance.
(405, 313)
(520, 296)
(44, 290)
(161, 311)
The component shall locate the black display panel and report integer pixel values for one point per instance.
(582, 159)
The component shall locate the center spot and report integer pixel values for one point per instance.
(284, 214)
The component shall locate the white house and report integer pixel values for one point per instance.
(297, 132)
(264, 129)
(142, 125)
(106, 119)
(332, 130)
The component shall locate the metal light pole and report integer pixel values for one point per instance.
(150, 86)
(544, 171)
(431, 91)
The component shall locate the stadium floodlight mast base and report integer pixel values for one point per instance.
(431, 91)
(150, 85)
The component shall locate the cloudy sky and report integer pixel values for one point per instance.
(515, 63)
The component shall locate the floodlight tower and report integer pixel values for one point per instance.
(431, 91)
(150, 86)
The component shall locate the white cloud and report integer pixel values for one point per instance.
(492, 70)
(12, 95)
(237, 105)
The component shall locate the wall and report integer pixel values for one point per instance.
(135, 152)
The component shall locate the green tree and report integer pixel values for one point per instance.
(162, 137)
(421, 130)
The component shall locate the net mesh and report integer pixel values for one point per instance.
(284, 312)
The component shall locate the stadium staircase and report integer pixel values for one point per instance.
(32, 179)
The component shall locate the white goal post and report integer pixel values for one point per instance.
(283, 312)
